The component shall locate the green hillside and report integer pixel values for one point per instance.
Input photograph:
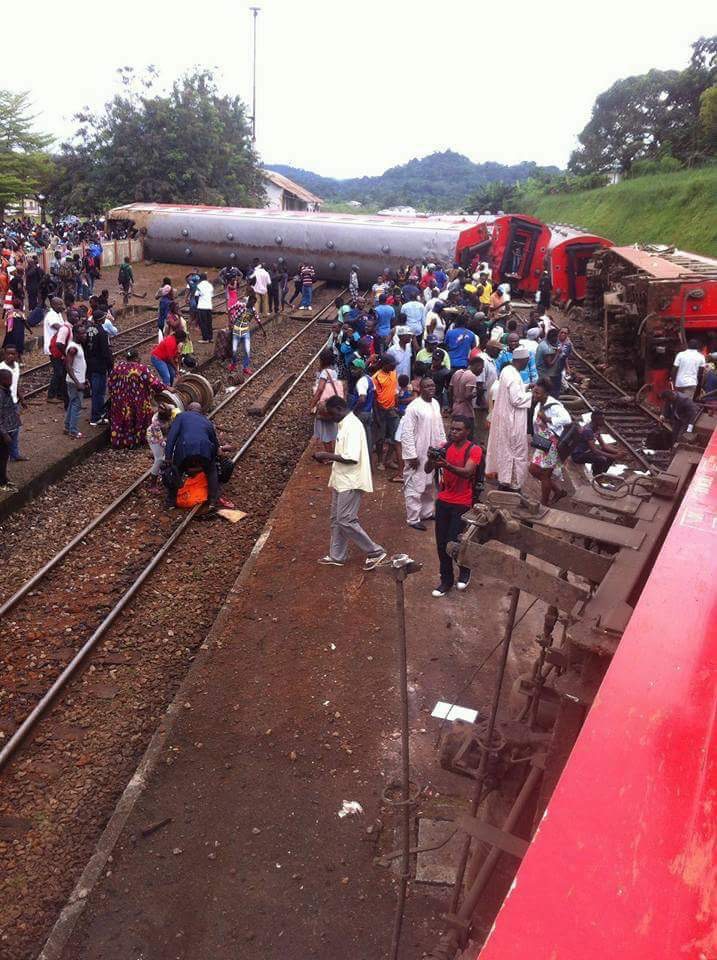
(674, 208)
(441, 181)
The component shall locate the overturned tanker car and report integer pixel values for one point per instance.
(217, 236)
(650, 302)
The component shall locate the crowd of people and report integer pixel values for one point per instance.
(434, 378)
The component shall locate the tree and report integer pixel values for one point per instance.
(191, 145)
(493, 196)
(22, 164)
(649, 116)
(708, 118)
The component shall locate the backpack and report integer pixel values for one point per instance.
(478, 476)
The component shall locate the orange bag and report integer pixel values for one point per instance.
(195, 490)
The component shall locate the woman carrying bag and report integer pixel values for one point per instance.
(550, 419)
(327, 385)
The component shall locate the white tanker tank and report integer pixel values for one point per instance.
(332, 242)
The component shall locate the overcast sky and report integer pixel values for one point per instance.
(347, 89)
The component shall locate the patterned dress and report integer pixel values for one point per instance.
(130, 386)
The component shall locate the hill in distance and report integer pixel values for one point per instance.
(441, 181)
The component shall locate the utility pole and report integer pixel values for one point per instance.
(255, 11)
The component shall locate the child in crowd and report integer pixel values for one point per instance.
(157, 439)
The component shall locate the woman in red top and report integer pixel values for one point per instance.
(165, 356)
(459, 461)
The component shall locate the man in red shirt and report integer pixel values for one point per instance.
(165, 356)
(458, 463)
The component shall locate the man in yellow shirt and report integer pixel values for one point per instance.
(486, 292)
(350, 478)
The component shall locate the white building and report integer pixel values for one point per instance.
(284, 194)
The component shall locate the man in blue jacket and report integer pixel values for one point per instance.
(192, 442)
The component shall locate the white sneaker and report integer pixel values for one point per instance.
(463, 584)
(440, 591)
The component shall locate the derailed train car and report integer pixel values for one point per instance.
(217, 236)
(649, 303)
(569, 252)
(518, 245)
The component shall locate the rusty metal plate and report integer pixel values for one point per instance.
(628, 505)
(594, 529)
(584, 563)
(507, 842)
(487, 560)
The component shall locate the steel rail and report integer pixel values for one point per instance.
(43, 571)
(66, 675)
(608, 421)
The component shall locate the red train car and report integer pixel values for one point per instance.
(625, 859)
(569, 252)
(649, 303)
(518, 245)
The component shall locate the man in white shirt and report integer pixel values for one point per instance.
(262, 279)
(688, 369)
(10, 362)
(412, 313)
(51, 323)
(350, 478)
(76, 367)
(421, 428)
(205, 294)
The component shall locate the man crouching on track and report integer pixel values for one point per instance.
(192, 447)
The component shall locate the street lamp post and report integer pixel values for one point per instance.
(255, 11)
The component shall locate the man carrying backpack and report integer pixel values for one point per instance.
(125, 279)
(458, 462)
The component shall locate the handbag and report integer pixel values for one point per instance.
(321, 412)
(541, 443)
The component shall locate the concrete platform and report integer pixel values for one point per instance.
(291, 709)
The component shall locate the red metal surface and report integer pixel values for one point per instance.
(625, 861)
(536, 237)
(568, 282)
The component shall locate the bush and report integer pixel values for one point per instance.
(648, 168)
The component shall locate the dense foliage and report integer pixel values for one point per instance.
(656, 114)
(441, 181)
(23, 165)
(188, 146)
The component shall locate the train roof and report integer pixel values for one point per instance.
(669, 264)
(132, 211)
(562, 233)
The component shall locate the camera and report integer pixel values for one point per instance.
(436, 453)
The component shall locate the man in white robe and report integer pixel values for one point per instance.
(507, 453)
(421, 428)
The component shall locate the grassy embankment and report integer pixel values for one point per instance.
(674, 208)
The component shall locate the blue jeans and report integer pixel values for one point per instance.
(245, 340)
(14, 444)
(307, 292)
(166, 371)
(98, 383)
(72, 414)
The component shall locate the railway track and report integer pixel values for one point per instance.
(629, 422)
(96, 575)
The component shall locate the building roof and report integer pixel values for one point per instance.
(285, 184)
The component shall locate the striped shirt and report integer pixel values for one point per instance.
(307, 276)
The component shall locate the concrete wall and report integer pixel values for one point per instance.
(113, 252)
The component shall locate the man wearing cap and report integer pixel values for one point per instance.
(421, 428)
(507, 453)
(401, 351)
(529, 371)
